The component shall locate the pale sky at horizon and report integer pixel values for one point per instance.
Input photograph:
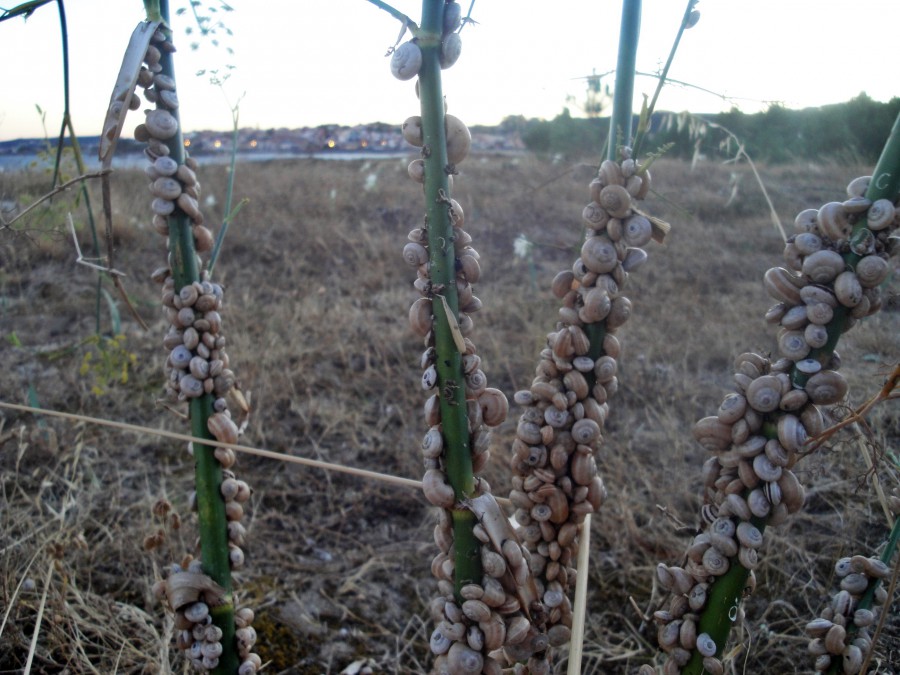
(300, 63)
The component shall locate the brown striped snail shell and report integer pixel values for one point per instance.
(783, 285)
(808, 243)
(406, 61)
(712, 434)
(494, 406)
(468, 267)
(833, 221)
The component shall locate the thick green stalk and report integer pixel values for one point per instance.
(629, 32)
(728, 589)
(208, 471)
(451, 381)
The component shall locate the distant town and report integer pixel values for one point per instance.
(313, 141)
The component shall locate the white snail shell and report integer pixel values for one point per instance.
(451, 48)
(406, 61)
(880, 215)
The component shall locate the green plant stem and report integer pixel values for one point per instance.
(629, 32)
(727, 590)
(663, 78)
(208, 471)
(451, 382)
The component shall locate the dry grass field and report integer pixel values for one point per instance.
(316, 304)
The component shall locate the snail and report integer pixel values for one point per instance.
(406, 61)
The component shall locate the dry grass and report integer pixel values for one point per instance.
(316, 297)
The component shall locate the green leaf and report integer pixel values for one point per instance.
(114, 316)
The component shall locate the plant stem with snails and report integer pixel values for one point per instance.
(619, 128)
(451, 380)
(208, 471)
(726, 593)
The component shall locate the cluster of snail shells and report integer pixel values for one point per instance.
(842, 630)
(819, 280)
(406, 60)
(555, 480)
(489, 627)
(190, 594)
(173, 186)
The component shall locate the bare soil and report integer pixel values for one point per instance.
(316, 303)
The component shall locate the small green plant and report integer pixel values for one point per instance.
(106, 362)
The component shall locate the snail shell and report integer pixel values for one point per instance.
(637, 231)
(880, 215)
(223, 428)
(494, 406)
(848, 289)
(808, 243)
(806, 221)
(451, 48)
(793, 345)
(468, 267)
(595, 216)
(823, 266)
(732, 408)
(437, 490)
(599, 255)
(826, 387)
(833, 221)
(562, 283)
(619, 313)
(858, 186)
(715, 562)
(783, 285)
(161, 124)
(585, 431)
(764, 393)
(616, 200)
(420, 316)
(416, 170)
(406, 61)
(706, 645)
(597, 305)
(415, 254)
(872, 270)
(459, 139)
(835, 639)
(712, 434)
(412, 131)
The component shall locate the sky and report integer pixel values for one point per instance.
(304, 63)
